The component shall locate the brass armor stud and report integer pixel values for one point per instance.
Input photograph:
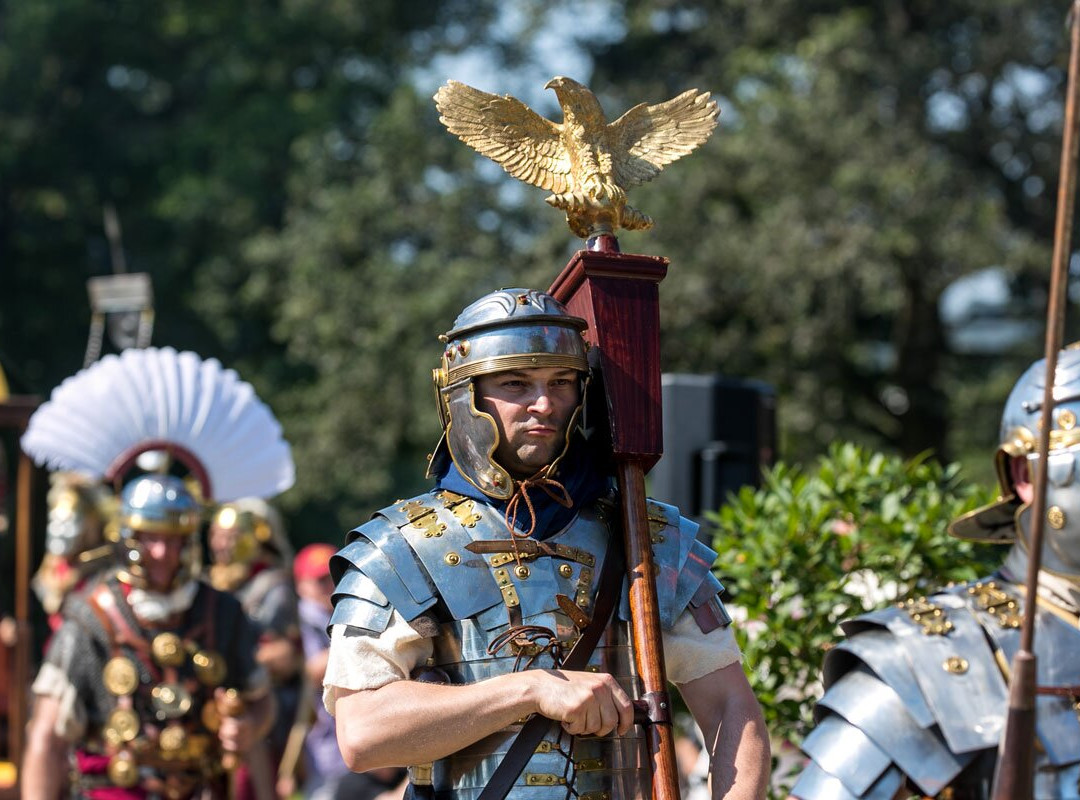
(122, 726)
(521, 571)
(168, 650)
(1066, 420)
(955, 665)
(210, 668)
(122, 770)
(1056, 517)
(120, 676)
(566, 570)
(453, 559)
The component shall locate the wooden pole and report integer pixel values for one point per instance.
(14, 416)
(17, 717)
(1014, 775)
(617, 295)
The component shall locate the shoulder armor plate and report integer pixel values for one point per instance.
(921, 680)
(683, 576)
(872, 706)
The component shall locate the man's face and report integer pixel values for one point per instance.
(317, 590)
(222, 541)
(161, 558)
(532, 409)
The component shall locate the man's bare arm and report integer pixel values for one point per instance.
(44, 764)
(725, 708)
(407, 722)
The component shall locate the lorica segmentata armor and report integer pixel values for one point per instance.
(414, 557)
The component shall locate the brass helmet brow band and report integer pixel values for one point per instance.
(517, 361)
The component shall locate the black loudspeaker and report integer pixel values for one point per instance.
(719, 433)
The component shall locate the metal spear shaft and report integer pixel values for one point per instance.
(1015, 773)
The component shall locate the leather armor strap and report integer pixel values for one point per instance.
(1059, 691)
(103, 603)
(524, 744)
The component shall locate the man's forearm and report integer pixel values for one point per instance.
(44, 766)
(407, 722)
(43, 774)
(730, 718)
(741, 759)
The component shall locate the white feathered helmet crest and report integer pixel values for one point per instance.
(157, 404)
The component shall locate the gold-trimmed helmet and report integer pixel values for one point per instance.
(505, 330)
(242, 532)
(1008, 518)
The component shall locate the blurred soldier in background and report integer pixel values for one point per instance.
(150, 688)
(916, 696)
(327, 776)
(136, 676)
(251, 556)
(76, 543)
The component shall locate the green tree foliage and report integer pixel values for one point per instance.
(188, 118)
(868, 155)
(816, 546)
(306, 219)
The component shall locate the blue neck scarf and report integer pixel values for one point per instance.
(577, 472)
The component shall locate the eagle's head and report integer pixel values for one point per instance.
(575, 98)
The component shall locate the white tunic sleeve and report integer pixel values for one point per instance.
(362, 661)
(71, 717)
(689, 654)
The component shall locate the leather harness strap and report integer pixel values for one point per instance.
(532, 732)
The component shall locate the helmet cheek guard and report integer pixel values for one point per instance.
(511, 329)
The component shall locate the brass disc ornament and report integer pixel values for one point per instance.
(172, 739)
(170, 700)
(211, 717)
(122, 726)
(122, 770)
(120, 676)
(168, 650)
(209, 667)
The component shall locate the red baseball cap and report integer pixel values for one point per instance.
(313, 561)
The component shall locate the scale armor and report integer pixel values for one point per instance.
(916, 694)
(412, 558)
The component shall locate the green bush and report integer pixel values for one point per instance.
(811, 548)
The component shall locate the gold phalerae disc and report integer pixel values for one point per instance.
(122, 770)
(122, 726)
(209, 667)
(211, 717)
(168, 650)
(172, 739)
(170, 700)
(120, 676)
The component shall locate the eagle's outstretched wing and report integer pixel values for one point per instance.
(508, 132)
(646, 138)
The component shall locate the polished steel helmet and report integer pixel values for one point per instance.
(159, 504)
(1008, 518)
(505, 330)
